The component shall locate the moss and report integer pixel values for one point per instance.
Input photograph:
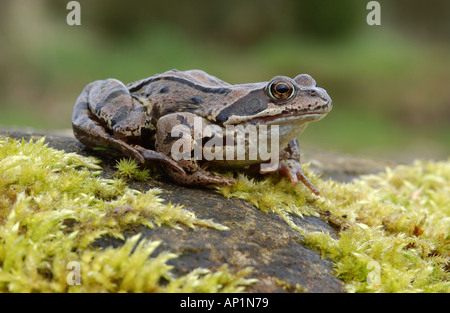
(272, 194)
(129, 169)
(54, 205)
(285, 285)
(394, 227)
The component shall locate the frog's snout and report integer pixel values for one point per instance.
(328, 100)
(323, 95)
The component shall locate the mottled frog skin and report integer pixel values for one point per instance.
(137, 119)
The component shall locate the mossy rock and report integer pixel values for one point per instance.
(261, 235)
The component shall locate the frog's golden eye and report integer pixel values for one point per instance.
(281, 90)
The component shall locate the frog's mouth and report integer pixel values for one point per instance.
(298, 117)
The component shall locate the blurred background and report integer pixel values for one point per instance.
(390, 83)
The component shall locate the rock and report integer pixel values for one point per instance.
(262, 241)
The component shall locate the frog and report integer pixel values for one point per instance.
(137, 120)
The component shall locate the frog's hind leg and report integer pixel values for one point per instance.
(182, 124)
(86, 126)
(89, 129)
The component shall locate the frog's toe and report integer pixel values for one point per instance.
(308, 183)
(195, 175)
(293, 176)
(207, 178)
(292, 169)
(228, 181)
(147, 154)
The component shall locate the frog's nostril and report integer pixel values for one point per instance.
(312, 93)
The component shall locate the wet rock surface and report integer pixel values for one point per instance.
(262, 241)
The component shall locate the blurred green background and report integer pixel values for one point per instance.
(390, 83)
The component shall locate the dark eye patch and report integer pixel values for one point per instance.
(253, 103)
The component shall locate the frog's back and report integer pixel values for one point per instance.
(179, 91)
(193, 76)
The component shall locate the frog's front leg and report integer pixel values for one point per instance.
(176, 137)
(289, 166)
(105, 115)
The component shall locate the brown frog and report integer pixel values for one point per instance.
(139, 119)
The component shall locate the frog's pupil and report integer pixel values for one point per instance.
(282, 88)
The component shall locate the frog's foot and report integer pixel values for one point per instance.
(196, 175)
(292, 169)
(146, 154)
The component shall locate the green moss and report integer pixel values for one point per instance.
(394, 227)
(272, 194)
(285, 285)
(129, 169)
(54, 205)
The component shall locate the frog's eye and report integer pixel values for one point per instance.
(280, 90)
